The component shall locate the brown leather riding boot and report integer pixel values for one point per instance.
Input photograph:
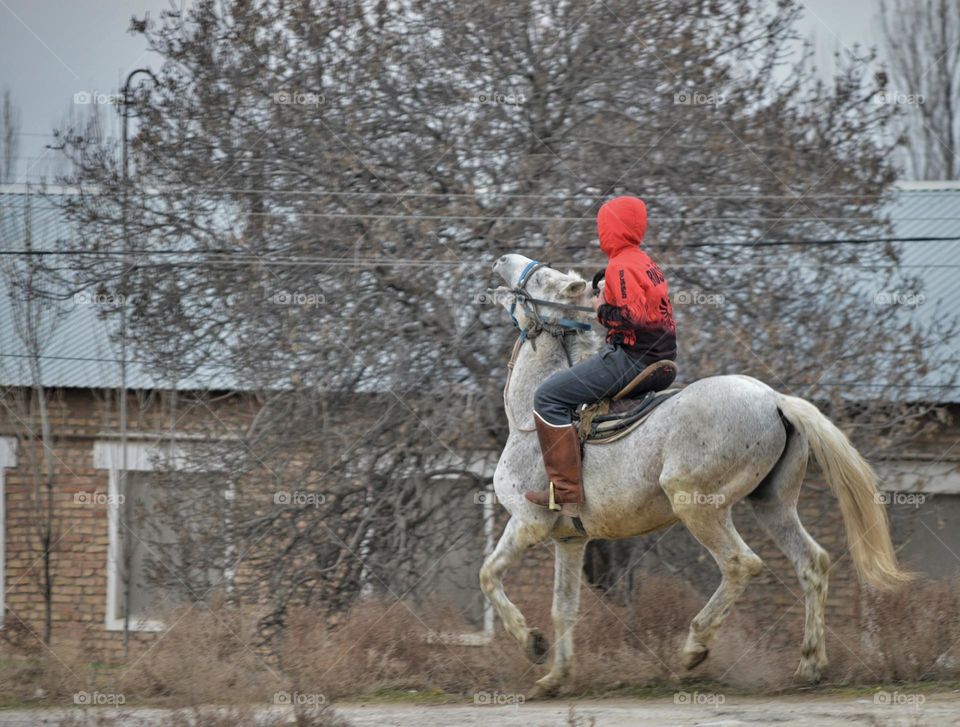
(561, 458)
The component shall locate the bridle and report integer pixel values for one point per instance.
(560, 327)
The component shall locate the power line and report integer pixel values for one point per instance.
(583, 219)
(370, 263)
(225, 255)
(577, 220)
(650, 196)
(51, 357)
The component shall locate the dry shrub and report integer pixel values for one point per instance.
(48, 675)
(637, 646)
(381, 645)
(384, 646)
(208, 656)
(641, 646)
(910, 635)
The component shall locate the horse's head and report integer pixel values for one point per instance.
(535, 294)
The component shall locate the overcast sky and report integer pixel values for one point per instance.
(51, 50)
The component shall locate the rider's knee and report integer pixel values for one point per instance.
(549, 407)
(543, 398)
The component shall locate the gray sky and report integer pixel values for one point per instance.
(51, 50)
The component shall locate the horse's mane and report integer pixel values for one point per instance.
(583, 345)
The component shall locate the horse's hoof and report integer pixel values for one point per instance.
(693, 659)
(537, 646)
(543, 690)
(807, 673)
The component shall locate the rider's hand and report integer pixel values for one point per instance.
(598, 298)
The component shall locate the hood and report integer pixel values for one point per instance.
(621, 222)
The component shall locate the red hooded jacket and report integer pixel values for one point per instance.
(636, 303)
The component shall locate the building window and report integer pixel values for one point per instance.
(922, 497)
(149, 564)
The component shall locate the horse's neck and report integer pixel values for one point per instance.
(535, 362)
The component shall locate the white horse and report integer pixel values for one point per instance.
(718, 441)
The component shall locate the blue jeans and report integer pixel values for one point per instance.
(599, 377)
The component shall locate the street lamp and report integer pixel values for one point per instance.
(125, 171)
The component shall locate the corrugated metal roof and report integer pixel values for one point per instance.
(931, 209)
(76, 342)
(927, 211)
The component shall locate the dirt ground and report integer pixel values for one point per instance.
(888, 709)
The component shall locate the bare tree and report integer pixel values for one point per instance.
(35, 318)
(923, 52)
(320, 191)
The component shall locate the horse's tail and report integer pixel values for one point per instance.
(854, 482)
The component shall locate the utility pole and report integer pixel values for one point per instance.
(124, 252)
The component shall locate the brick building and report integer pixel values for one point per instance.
(88, 543)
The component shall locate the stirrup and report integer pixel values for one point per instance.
(553, 504)
(570, 509)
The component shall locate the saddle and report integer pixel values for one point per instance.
(610, 419)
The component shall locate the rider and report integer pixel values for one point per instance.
(634, 306)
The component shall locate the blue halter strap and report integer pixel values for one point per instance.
(520, 291)
(521, 287)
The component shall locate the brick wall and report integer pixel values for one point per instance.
(78, 419)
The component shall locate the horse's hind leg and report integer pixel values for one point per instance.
(568, 566)
(516, 538)
(775, 505)
(713, 527)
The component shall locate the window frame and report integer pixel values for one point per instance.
(140, 457)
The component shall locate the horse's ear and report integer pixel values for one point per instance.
(573, 289)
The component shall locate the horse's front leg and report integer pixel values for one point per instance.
(568, 566)
(516, 538)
